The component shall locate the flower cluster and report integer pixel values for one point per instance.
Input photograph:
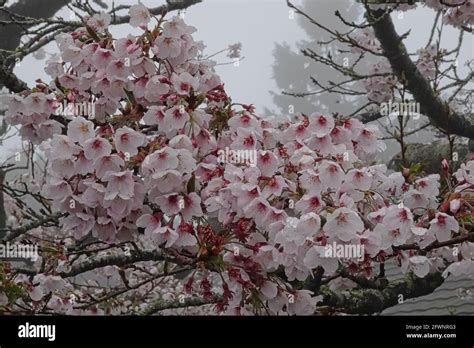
(457, 13)
(380, 85)
(426, 63)
(365, 39)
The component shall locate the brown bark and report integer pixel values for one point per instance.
(405, 69)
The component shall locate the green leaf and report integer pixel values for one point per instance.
(191, 186)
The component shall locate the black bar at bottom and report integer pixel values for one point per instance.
(374, 330)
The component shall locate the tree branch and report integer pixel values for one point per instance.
(435, 245)
(369, 116)
(122, 260)
(11, 81)
(173, 304)
(169, 6)
(10, 35)
(133, 287)
(368, 301)
(23, 229)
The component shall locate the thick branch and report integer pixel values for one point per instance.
(11, 81)
(368, 301)
(3, 214)
(369, 116)
(10, 35)
(431, 105)
(435, 245)
(170, 6)
(122, 260)
(172, 304)
(133, 287)
(23, 229)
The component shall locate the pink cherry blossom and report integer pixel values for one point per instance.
(65, 167)
(192, 206)
(155, 88)
(331, 174)
(149, 222)
(361, 179)
(62, 147)
(399, 218)
(420, 265)
(274, 186)
(109, 163)
(175, 27)
(321, 125)
(80, 130)
(102, 57)
(170, 204)
(154, 115)
(245, 140)
(161, 160)
(119, 185)
(184, 83)
(315, 258)
(105, 230)
(175, 119)
(167, 47)
(80, 224)
(344, 223)
(442, 226)
(267, 162)
(97, 147)
(128, 140)
(139, 15)
(309, 203)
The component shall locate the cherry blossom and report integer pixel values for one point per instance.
(442, 226)
(399, 221)
(119, 185)
(80, 130)
(127, 140)
(139, 15)
(97, 147)
(100, 21)
(107, 163)
(420, 265)
(184, 83)
(331, 174)
(344, 223)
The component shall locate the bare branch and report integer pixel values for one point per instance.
(170, 6)
(23, 229)
(173, 304)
